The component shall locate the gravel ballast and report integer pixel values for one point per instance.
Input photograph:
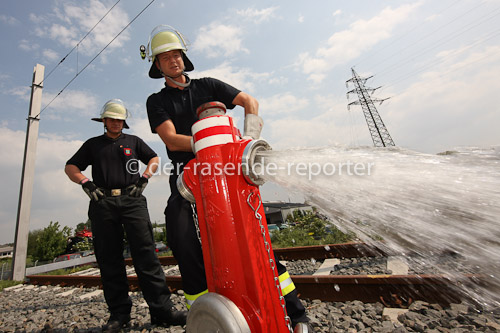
(56, 309)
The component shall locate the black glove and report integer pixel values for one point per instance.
(138, 187)
(92, 191)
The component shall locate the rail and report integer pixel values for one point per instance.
(391, 290)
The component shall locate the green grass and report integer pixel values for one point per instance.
(8, 283)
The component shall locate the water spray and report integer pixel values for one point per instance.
(413, 205)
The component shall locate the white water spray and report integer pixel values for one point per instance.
(417, 203)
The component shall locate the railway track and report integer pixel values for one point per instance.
(391, 290)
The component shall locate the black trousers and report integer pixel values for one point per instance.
(110, 218)
(183, 240)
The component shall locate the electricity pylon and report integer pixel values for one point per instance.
(378, 131)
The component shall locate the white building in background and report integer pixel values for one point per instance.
(6, 252)
(277, 212)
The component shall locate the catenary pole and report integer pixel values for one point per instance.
(27, 177)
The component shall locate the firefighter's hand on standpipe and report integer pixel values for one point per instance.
(91, 189)
(253, 123)
(253, 126)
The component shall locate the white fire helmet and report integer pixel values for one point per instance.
(164, 38)
(114, 109)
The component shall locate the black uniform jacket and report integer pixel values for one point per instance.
(180, 107)
(115, 162)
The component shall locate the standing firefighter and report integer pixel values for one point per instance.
(117, 207)
(171, 113)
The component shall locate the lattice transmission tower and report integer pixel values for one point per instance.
(378, 131)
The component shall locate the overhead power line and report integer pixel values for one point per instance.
(78, 44)
(417, 26)
(442, 41)
(428, 35)
(97, 55)
(433, 63)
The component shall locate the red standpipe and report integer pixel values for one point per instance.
(237, 251)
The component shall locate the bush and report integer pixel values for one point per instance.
(308, 228)
(83, 245)
(50, 242)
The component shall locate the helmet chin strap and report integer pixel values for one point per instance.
(106, 129)
(180, 84)
(172, 79)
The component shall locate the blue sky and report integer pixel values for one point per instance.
(437, 60)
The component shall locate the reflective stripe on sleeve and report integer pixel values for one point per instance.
(286, 283)
(191, 298)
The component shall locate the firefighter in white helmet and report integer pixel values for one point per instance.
(113, 109)
(117, 207)
(171, 113)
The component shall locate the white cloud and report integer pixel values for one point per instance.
(337, 13)
(12, 147)
(69, 23)
(281, 104)
(317, 121)
(28, 46)
(9, 20)
(240, 78)
(52, 154)
(4, 82)
(71, 104)
(51, 186)
(317, 78)
(50, 54)
(294, 132)
(23, 93)
(65, 35)
(432, 17)
(11, 157)
(456, 110)
(141, 128)
(219, 39)
(55, 197)
(277, 80)
(344, 46)
(126, 60)
(37, 18)
(258, 16)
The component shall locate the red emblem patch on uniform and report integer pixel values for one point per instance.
(127, 151)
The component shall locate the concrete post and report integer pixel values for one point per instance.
(27, 178)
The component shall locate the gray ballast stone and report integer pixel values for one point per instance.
(40, 310)
(33, 312)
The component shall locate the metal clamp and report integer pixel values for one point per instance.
(252, 169)
(184, 191)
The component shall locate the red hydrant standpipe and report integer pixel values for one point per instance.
(244, 292)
